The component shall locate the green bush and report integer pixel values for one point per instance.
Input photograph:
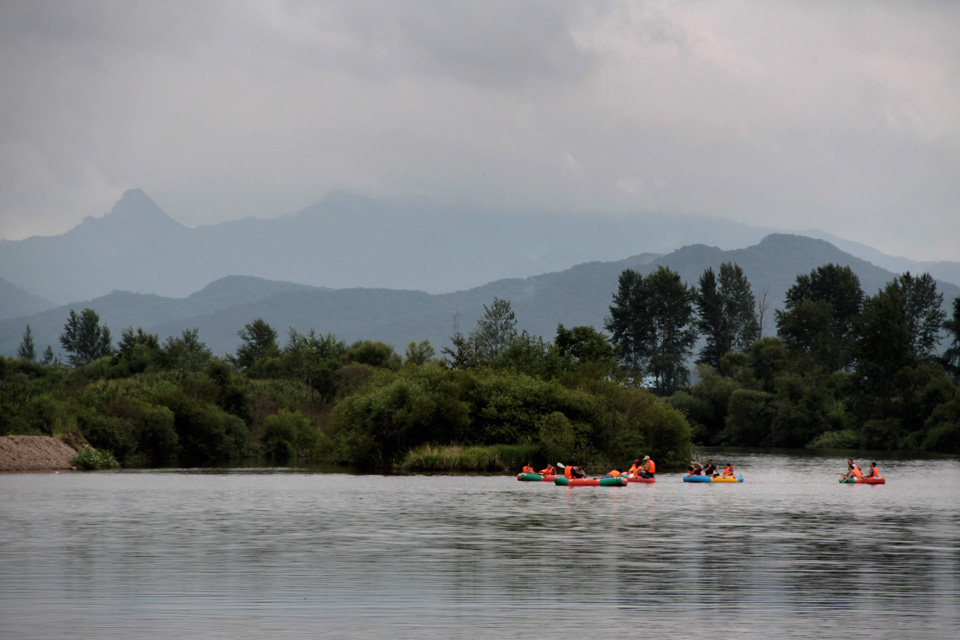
(90, 459)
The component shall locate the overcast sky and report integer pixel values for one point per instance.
(839, 115)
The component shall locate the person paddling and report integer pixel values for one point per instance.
(648, 469)
(853, 471)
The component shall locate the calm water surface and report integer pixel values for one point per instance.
(790, 553)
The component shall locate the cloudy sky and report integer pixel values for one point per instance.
(839, 115)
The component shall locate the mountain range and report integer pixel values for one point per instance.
(580, 295)
(346, 241)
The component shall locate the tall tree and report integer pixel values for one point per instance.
(84, 339)
(837, 287)
(951, 356)
(726, 315)
(495, 329)
(258, 341)
(923, 306)
(899, 327)
(651, 322)
(628, 323)
(27, 349)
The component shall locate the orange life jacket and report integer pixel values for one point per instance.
(873, 473)
(614, 474)
(728, 471)
(549, 471)
(857, 472)
(649, 467)
(568, 471)
(528, 469)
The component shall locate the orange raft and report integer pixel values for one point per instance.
(639, 479)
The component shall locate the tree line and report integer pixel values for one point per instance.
(845, 370)
(517, 397)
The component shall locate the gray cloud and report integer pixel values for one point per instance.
(842, 116)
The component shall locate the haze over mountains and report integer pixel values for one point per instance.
(362, 270)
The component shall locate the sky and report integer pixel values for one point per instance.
(838, 115)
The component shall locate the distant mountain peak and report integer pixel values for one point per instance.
(135, 213)
(136, 204)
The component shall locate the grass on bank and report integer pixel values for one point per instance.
(456, 458)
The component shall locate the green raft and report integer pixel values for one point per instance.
(590, 482)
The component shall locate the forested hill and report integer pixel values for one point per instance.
(578, 296)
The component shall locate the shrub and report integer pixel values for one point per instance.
(90, 459)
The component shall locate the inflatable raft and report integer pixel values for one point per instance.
(563, 481)
(534, 477)
(639, 479)
(712, 479)
(878, 480)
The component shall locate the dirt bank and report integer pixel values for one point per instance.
(37, 453)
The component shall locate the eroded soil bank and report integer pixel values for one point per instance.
(37, 453)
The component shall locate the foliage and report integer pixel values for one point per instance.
(27, 350)
(651, 321)
(84, 339)
(726, 315)
(90, 459)
(819, 313)
(258, 342)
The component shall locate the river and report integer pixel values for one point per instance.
(272, 553)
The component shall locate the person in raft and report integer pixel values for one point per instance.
(710, 469)
(612, 474)
(853, 471)
(872, 472)
(528, 469)
(634, 469)
(648, 468)
(853, 465)
(694, 469)
(549, 470)
(728, 470)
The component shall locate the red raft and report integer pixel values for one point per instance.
(639, 479)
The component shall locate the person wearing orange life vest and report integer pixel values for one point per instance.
(648, 468)
(853, 471)
(549, 470)
(728, 470)
(634, 468)
(528, 469)
(873, 472)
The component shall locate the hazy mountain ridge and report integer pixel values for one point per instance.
(577, 296)
(14, 301)
(345, 241)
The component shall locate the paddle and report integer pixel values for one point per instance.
(560, 465)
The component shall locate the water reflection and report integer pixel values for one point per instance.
(789, 553)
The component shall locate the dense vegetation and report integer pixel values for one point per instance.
(846, 370)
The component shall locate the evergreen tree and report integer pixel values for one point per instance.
(27, 349)
(495, 329)
(726, 315)
(651, 323)
(84, 339)
(258, 341)
(951, 357)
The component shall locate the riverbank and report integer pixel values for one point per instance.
(38, 453)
